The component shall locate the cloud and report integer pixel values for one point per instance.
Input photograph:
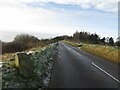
(103, 5)
(55, 16)
(108, 6)
(15, 16)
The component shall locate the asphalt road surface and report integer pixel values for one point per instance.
(74, 68)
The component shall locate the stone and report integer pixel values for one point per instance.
(23, 63)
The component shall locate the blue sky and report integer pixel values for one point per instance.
(50, 18)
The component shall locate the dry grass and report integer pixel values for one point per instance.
(34, 48)
(6, 57)
(106, 52)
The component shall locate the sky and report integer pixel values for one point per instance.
(50, 18)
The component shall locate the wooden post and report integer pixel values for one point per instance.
(24, 64)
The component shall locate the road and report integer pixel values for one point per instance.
(74, 68)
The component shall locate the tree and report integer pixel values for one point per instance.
(103, 40)
(76, 36)
(13, 47)
(94, 39)
(84, 36)
(58, 38)
(111, 41)
(25, 38)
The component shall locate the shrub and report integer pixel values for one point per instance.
(13, 47)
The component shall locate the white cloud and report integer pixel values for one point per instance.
(18, 17)
(103, 5)
(108, 6)
(15, 16)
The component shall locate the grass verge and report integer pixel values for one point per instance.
(71, 43)
(106, 52)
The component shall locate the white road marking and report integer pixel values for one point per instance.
(106, 72)
(73, 50)
(77, 53)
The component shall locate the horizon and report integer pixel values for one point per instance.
(37, 35)
(51, 18)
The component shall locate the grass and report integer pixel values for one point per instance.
(71, 43)
(7, 56)
(106, 52)
(34, 48)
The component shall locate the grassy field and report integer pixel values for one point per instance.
(106, 52)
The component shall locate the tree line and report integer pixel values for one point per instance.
(20, 43)
(91, 38)
(24, 41)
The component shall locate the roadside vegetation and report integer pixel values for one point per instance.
(106, 52)
(7, 56)
(42, 60)
(104, 47)
(41, 53)
(25, 42)
(110, 53)
(71, 43)
(91, 42)
(21, 43)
